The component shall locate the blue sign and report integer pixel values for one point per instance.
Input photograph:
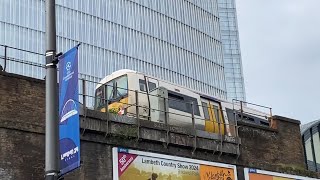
(123, 150)
(69, 111)
(251, 170)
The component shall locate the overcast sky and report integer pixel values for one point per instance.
(280, 45)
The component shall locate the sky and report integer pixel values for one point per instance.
(280, 46)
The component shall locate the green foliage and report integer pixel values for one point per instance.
(128, 132)
(295, 169)
(113, 111)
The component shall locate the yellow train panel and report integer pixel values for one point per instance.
(123, 103)
(212, 125)
(209, 122)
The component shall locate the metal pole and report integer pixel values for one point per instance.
(5, 58)
(272, 125)
(241, 106)
(220, 133)
(194, 128)
(52, 122)
(106, 106)
(84, 101)
(137, 114)
(166, 118)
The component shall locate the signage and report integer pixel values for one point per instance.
(69, 111)
(256, 174)
(131, 164)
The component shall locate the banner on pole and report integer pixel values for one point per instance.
(69, 138)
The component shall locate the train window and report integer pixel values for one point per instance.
(109, 87)
(264, 123)
(152, 86)
(205, 110)
(99, 97)
(182, 103)
(122, 86)
(113, 90)
(244, 117)
(142, 85)
(216, 112)
(177, 102)
(117, 88)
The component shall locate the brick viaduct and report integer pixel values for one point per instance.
(22, 135)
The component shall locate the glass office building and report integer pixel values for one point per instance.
(175, 40)
(231, 48)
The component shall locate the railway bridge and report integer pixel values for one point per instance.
(22, 135)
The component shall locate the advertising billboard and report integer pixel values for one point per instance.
(256, 174)
(69, 111)
(131, 164)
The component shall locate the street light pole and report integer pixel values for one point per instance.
(52, 122)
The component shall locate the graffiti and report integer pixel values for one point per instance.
(230, 139)
(159, 126)
(220, 175)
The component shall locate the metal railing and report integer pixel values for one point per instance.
(262, 114)
(193, 117)
(190, 119)
(32, 64)
(87, 88)
(23, 62)
(225, 131)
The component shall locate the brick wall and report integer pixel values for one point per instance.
(22, 99)
(22, 119)
(21, 154)
(22, 116)
(272, 149)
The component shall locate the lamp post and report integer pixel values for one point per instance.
(52, 122)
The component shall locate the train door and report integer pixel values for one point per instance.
(229, 122)
(214, 121)
(144, 96)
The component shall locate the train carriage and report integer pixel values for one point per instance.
(123, 90)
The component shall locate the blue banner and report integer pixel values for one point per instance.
(69, 111)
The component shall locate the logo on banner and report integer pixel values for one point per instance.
(69, 74)
(68, 66)
(69, 110)
(124, 161)
(70, 152)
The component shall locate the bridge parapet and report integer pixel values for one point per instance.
(113, 125)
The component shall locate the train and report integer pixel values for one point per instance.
(131, 93)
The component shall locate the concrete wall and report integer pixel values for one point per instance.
(22, 119)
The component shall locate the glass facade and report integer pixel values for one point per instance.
(311, 142)
(178, 41)
(231, 48)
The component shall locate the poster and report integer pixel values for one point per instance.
(69, 135)
(255, 174)
(134, 165)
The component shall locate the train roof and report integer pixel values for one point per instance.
(115, 74)
(124, 71)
